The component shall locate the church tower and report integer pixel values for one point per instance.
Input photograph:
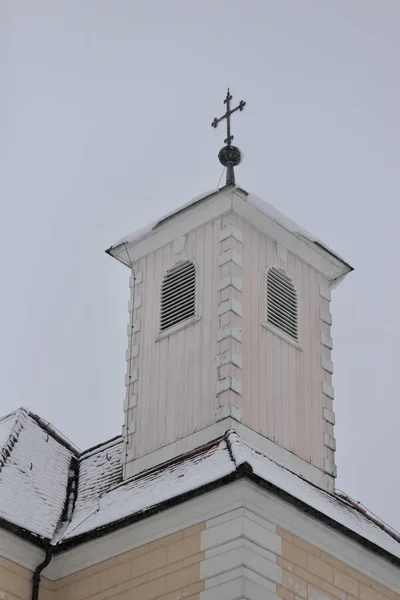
(230, 328)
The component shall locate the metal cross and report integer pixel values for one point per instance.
(227, 116)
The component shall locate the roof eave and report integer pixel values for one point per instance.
(243, 471)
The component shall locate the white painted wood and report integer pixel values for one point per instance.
(230, 256)
(229, 356)
(230, 305)
(184, 370)
(230, 280)
(229, 331)
(325, 316)
(329, 415)
(256, 440)
(326, 340)
(229, 383)
(218, 204)
(231, 231)
(325, 292)
(327, 364)
(329, 441)
(328, 390)
(282, 253)
(178, 245)
(231, 411)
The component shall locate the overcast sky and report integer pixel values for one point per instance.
(105, 115)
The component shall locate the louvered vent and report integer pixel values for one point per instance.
(281, 304)
(178, 295)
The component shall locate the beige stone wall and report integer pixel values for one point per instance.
(166, 569)
(15, 581)
(310, 574)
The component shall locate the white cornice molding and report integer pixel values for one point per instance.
(20, 551)
(223, 506)
(217, 205)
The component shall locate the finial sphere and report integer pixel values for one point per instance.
(230, 155)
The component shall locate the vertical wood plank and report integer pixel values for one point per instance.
(307, 348)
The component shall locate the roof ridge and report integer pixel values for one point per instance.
(21, 416)
(55, 433)
(100, 446)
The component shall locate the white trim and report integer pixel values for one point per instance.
(129, 354)
(325, 292)
(130, 402)
(222, 203)
(229, 383)
(230, 256)
(131, 377)
(231, 231)
(222, 505)
(230, 280)
(216, 205)
(325, 263)
(281, 252)
(178, 245)
(133, 327)
(330, 467)
(229, 410)
(20, 551)
(322, 536)
(229, 331)
(230, 357)
(329, 441)
(328, 415)
(135, 304)
(256, 440)
(136, 280)
(281, 334)
(328, 390)
(327, 364)
(231, 304)
(326, 340)
(177, 327)
(325, 316)
(244, 544)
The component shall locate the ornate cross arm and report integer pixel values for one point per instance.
(229, 155)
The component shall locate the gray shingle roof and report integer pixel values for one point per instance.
(41, 493)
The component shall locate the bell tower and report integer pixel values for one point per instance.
(230, 328)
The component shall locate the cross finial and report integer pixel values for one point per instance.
(229, 156)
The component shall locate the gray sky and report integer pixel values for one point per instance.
(105, 117)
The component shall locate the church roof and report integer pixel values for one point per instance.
(49, 490)
(35, 464)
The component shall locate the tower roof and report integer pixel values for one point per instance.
(119, 250)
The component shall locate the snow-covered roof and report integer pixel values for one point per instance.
(37, 493)
(123, 499)
(34, 472)
(251, 198)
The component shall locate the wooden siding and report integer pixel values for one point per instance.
(177, 373)
(281, 382)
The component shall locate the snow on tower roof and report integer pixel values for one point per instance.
(261, 205)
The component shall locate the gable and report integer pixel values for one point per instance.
(214, 204)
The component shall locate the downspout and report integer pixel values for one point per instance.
(38, 571)
(63, 523)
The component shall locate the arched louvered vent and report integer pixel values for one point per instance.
(281, 304)
(178, 294)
